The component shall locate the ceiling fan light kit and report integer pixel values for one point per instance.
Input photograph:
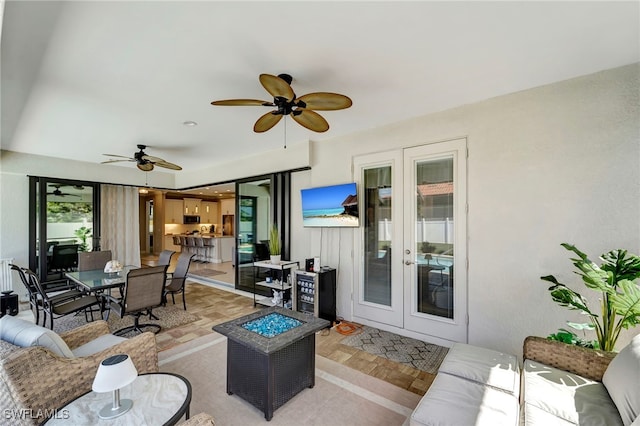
(301, 109)
(143, 161)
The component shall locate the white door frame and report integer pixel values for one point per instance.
(402, 316)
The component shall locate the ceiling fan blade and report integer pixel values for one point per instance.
(325, 101)
(277, 87)
(120, 156)
(311, 120)
(242, 102)
(167, 165)
(115, 161)
(145, 167)
(266, 122)
(151, 158)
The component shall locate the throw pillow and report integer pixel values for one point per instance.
(24, 334)
(622, 380)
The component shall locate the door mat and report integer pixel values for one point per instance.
(411, 352)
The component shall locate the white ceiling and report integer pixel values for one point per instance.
(84, 78)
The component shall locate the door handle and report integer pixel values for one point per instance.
(408, 262)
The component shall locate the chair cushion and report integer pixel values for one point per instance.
(485, 366)
(96, 345)
(622, 380)
(567, 396)
(24, 334)
(454, 401)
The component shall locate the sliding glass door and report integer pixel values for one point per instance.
(64, 220)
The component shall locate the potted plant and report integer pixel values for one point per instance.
(274, 244)
(615, 279)
(83, 233)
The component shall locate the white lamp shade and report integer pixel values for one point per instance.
(114, 372)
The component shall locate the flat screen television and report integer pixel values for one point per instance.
(330, 206)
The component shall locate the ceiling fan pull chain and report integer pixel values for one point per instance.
(285, 132)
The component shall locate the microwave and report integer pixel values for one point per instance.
(191, 219)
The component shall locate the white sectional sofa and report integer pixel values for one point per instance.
(559, 384)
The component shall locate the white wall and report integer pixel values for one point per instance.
(554, 164)
(549, 165)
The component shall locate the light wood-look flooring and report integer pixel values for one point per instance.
(215, 305)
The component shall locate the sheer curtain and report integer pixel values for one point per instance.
(119, 223)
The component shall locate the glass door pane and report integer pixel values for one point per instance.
(434, 236)
(254, 218)
(377, 235)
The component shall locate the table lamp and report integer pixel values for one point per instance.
(114, 373)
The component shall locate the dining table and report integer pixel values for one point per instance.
(99, 282)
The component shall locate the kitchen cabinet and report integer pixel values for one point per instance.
(227, 248)
(173, 212)
(209, 212)
(228, 206)
(192, 206)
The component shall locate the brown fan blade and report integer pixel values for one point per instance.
(266, 122)
(167, 165)
(145, 167)
(151, 159)
(242, 102)
(325, 101)
(311, 120)
(277, 87)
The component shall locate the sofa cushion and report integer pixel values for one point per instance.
(485, 366)
(455, 401)
(622, 380)
(567, 396)
(99, 344)
(24, 334)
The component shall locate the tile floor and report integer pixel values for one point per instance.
(217, 303)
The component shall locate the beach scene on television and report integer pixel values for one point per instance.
(330, 206)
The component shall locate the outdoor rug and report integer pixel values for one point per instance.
(341, 395)
(412, 352)
(170, 317)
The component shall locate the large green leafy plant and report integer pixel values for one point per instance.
(615, 279)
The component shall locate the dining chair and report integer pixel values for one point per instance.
(57, 307)
(143, 291)
(64, 258)
(90, 260)
(34, 296)
(178, 280)
(165, 257)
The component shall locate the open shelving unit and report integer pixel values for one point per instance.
(279, 273)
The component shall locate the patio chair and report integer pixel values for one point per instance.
(64, 258)
(55, 307)
(90, 260)
(143, 291)
(165, 257)
(178, 280)
(34, 296)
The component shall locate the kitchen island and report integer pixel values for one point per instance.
(221, 250)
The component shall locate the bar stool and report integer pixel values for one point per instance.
(190, 245)
(209, 244)
(177, 241)
(200, 255)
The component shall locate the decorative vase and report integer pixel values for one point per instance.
(275, 258)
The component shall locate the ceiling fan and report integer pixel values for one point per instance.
(144, 162)
(302, 109)
(59, 193)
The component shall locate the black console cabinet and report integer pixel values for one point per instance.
(315, 293)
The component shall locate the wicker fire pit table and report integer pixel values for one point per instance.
(270, 356)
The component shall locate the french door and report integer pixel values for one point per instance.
(413, 243)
